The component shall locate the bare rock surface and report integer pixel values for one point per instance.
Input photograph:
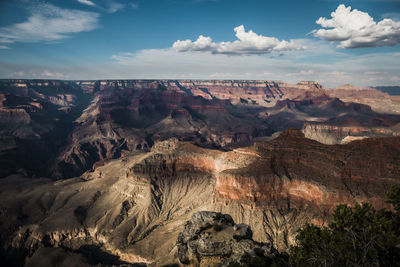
(61, 129)
(136, 206)
(213, 238)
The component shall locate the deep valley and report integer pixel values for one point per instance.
(109, 172)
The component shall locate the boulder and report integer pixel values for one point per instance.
(211, 238)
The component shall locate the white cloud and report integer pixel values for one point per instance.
(334, 78)
(354, 29)
(114, 6)
(38, 74)
(86, 2)
(49, 23)
(248, 43)
(4, 47)
(52, 75)
(301, 73)
(374, 73)
(170, 64)
(17, 74)
(395, 79)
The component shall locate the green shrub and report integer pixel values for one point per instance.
(357, 236)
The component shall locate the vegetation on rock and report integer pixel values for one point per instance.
(357, 236)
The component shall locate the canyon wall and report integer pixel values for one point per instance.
(135, 206)
(77, 125)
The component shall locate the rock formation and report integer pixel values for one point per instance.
(75, 125)
(212, 238)
(379, 101)
(342, 134)
(135, 207)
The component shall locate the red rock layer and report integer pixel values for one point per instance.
(295, 171)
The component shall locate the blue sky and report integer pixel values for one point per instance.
(202, 39)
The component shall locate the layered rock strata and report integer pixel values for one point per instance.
(77, 125)
(135, 207)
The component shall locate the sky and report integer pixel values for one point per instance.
(332, 42)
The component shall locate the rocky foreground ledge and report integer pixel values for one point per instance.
(213, 238)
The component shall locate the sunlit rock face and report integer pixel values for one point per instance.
(78, 125)
(292, 168)
(379, 101)
(343, 134)
(126, 116)
(307, 179)
(135, 206)
(133, 119)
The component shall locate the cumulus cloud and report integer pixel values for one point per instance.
(49, 23)
(248, 43)
(86, 2)
(354, 29)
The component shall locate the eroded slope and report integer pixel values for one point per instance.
(135, 206)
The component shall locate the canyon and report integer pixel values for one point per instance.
(117, 167)
(135, 207)
(71, 126)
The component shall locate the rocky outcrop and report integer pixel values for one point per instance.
(297, 180)
(290, 167)
(342, 134)
(379, 101)
(133, 119)
(310, 85)
(60, 93)
(346, 87)
(263, 93)
(14, 116)
(36, 118)
(130, 116)
(213, 238)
